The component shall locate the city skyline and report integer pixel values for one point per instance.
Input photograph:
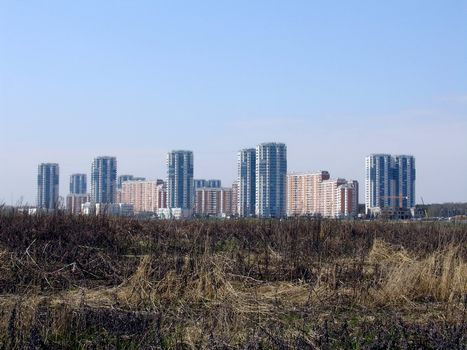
(333, 82)
(266, 190)
(242, 155)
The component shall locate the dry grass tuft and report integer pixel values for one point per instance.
(441, 276)
(197, 281)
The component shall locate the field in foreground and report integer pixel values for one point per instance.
(94, 282)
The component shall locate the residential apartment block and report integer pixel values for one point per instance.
(104, 180)
(339, 198)
(235, 198)
(123, 178)
(389, 182)
(78, 184)
(47, 186)
(315, 194)
(199, 183)
(303, 192)
(180, 190)
(271, 180)
(213, 201)
(145, 196)
(246, 180)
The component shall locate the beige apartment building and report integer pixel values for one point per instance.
(213, 201)
(303, 192)
(347, 199)
(235, 190)
(145, 196)
(339, 198)
(315, 193)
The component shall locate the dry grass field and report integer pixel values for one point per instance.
(104, 283)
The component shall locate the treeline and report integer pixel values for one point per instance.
(446, 209)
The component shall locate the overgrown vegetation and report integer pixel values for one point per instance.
(95, 282)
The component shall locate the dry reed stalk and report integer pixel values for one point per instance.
(441, 276)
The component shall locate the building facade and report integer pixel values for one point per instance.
(405, 181)
(271, 180)
(180, 186)
(75, 201)
(213, 201)
(123, 178)
(347, 200)
(48, 186)
(389, 182)
(211, 183)
(303, 192)
(339, 198)
(235, 198)
(246, 182)
(143, 195)
(78, 184)
(104, 180)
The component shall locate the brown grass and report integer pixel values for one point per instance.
(231, 283)
(441, 276)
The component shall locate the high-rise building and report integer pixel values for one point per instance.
(226, 202)
(47, 186)
(347, 200)
(207, 201)
(235, 198)
(212, 183)
(328, 200)
(405, 181)
(246, 181)
(271, 180)
(303, 192)
(78, 184)
(316, 194)
(143, 195)
(123, 178)
(161, 194)
(104, 180)
(180, 190)
(339, 198)
(213, 201)
(389, 182)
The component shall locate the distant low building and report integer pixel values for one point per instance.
(174, 213)
(110, 209)
(114, 209)
(74, 202)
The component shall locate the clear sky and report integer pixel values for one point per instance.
(334, 80)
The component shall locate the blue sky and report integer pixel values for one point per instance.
(335, 80)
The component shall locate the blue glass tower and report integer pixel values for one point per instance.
(47, 186)
(180, 190)
(104, 180)
(271, 180)
(78, 184)
(246, 179)
(389, 181)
